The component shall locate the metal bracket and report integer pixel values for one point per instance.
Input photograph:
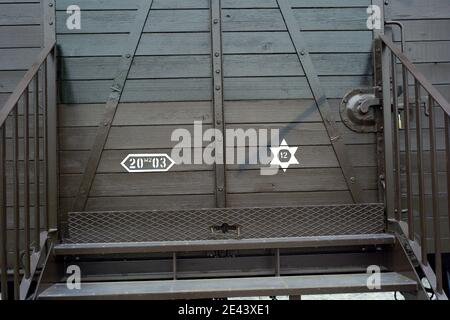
(217, 87)
(358, 112)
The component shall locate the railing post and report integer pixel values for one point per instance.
(52, 116)
(387, 128)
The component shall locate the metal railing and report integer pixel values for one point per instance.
(28, 177)
(417, 186)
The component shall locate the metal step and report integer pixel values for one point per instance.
(208, 245)
(231, 287)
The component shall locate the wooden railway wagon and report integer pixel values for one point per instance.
(326, 120)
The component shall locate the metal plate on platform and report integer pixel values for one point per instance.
(226, 223)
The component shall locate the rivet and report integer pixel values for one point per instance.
(352, 179)
(218, 122)
(217, 54)
(217, 88)
(50, 4)
(303, 52)
(128, 56)
(216, 21)
(386, 2)
(220, 189)
(50, 23)
(218, 71)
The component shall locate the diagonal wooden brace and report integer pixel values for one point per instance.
(321, 100)
(111, 105)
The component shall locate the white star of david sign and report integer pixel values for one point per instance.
(284, 156)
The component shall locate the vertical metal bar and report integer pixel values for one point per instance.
(45, 124)
(217, 71)
(387, 119)
(447, 155)
(408, 154)
(423, 224)
(37, 180)
(277, 263)
(434, 195)
(174, 265)
(16, 207)
(51, 108)
(26, 182)
(3, 219)
(397, 161)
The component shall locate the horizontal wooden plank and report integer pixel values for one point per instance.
(270, 111)
(289, 87)
(163, 113)
(144, 202)
(154, 90)
(145, 137)
(9, 80)
(20, 13)
(98, 68)
(138, 90)
(280, 42)
(199, 43)
(425, 30)
(330, 179)
(204, 4)
(72, 162)
(417, 9)
(233, 20)
(17, 58)
(295, 198)
(436, 73)
(312, 19)
(20, 36)
(428, 51)
(167, 113)
(139, 184)
(199, 66)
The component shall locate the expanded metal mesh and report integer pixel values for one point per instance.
(228, 223)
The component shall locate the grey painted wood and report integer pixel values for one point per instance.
(144, 202)
(138, 90)
(199, 89)
(17, 58)
(73, 162)
(124, 184)
(165, 113)
(203, 4)
(199, 43)
(429, 51)
(233, 20)
(417, 9)
(425, 30)
(296, 198)
(20, 36)
(97, 68)
(329, 179)
(143, 137)
(20, 13)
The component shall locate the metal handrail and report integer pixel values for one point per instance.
(24, 83)
(437, 96)
(42, 95)
(390, 55)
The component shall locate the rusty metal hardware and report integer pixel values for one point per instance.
(358, 110)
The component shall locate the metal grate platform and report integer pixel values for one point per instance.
(228, 223)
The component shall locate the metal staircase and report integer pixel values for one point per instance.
(232, 252)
